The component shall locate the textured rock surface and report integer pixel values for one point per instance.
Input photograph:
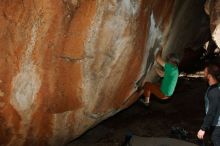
(212, 8)
(67, 65)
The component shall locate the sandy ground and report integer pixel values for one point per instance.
(184, 110)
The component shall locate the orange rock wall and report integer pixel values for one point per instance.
(67, 65)
(212, 8)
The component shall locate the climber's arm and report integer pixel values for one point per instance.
(159, 72)
(159, 59)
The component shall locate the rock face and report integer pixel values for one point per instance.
(212, 8)
(67, 65)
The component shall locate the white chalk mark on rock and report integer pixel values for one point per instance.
(27, 82)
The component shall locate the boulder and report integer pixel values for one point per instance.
(66, 65)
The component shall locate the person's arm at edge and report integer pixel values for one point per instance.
(209, 116)
(213, 105)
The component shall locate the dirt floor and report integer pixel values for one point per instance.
(185, 110)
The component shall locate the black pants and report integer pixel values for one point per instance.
(216, 136)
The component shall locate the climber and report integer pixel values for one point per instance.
(170, 75)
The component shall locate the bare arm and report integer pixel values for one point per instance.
(159, 58)
(159, 72)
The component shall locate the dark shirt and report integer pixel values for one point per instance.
(212, 104)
